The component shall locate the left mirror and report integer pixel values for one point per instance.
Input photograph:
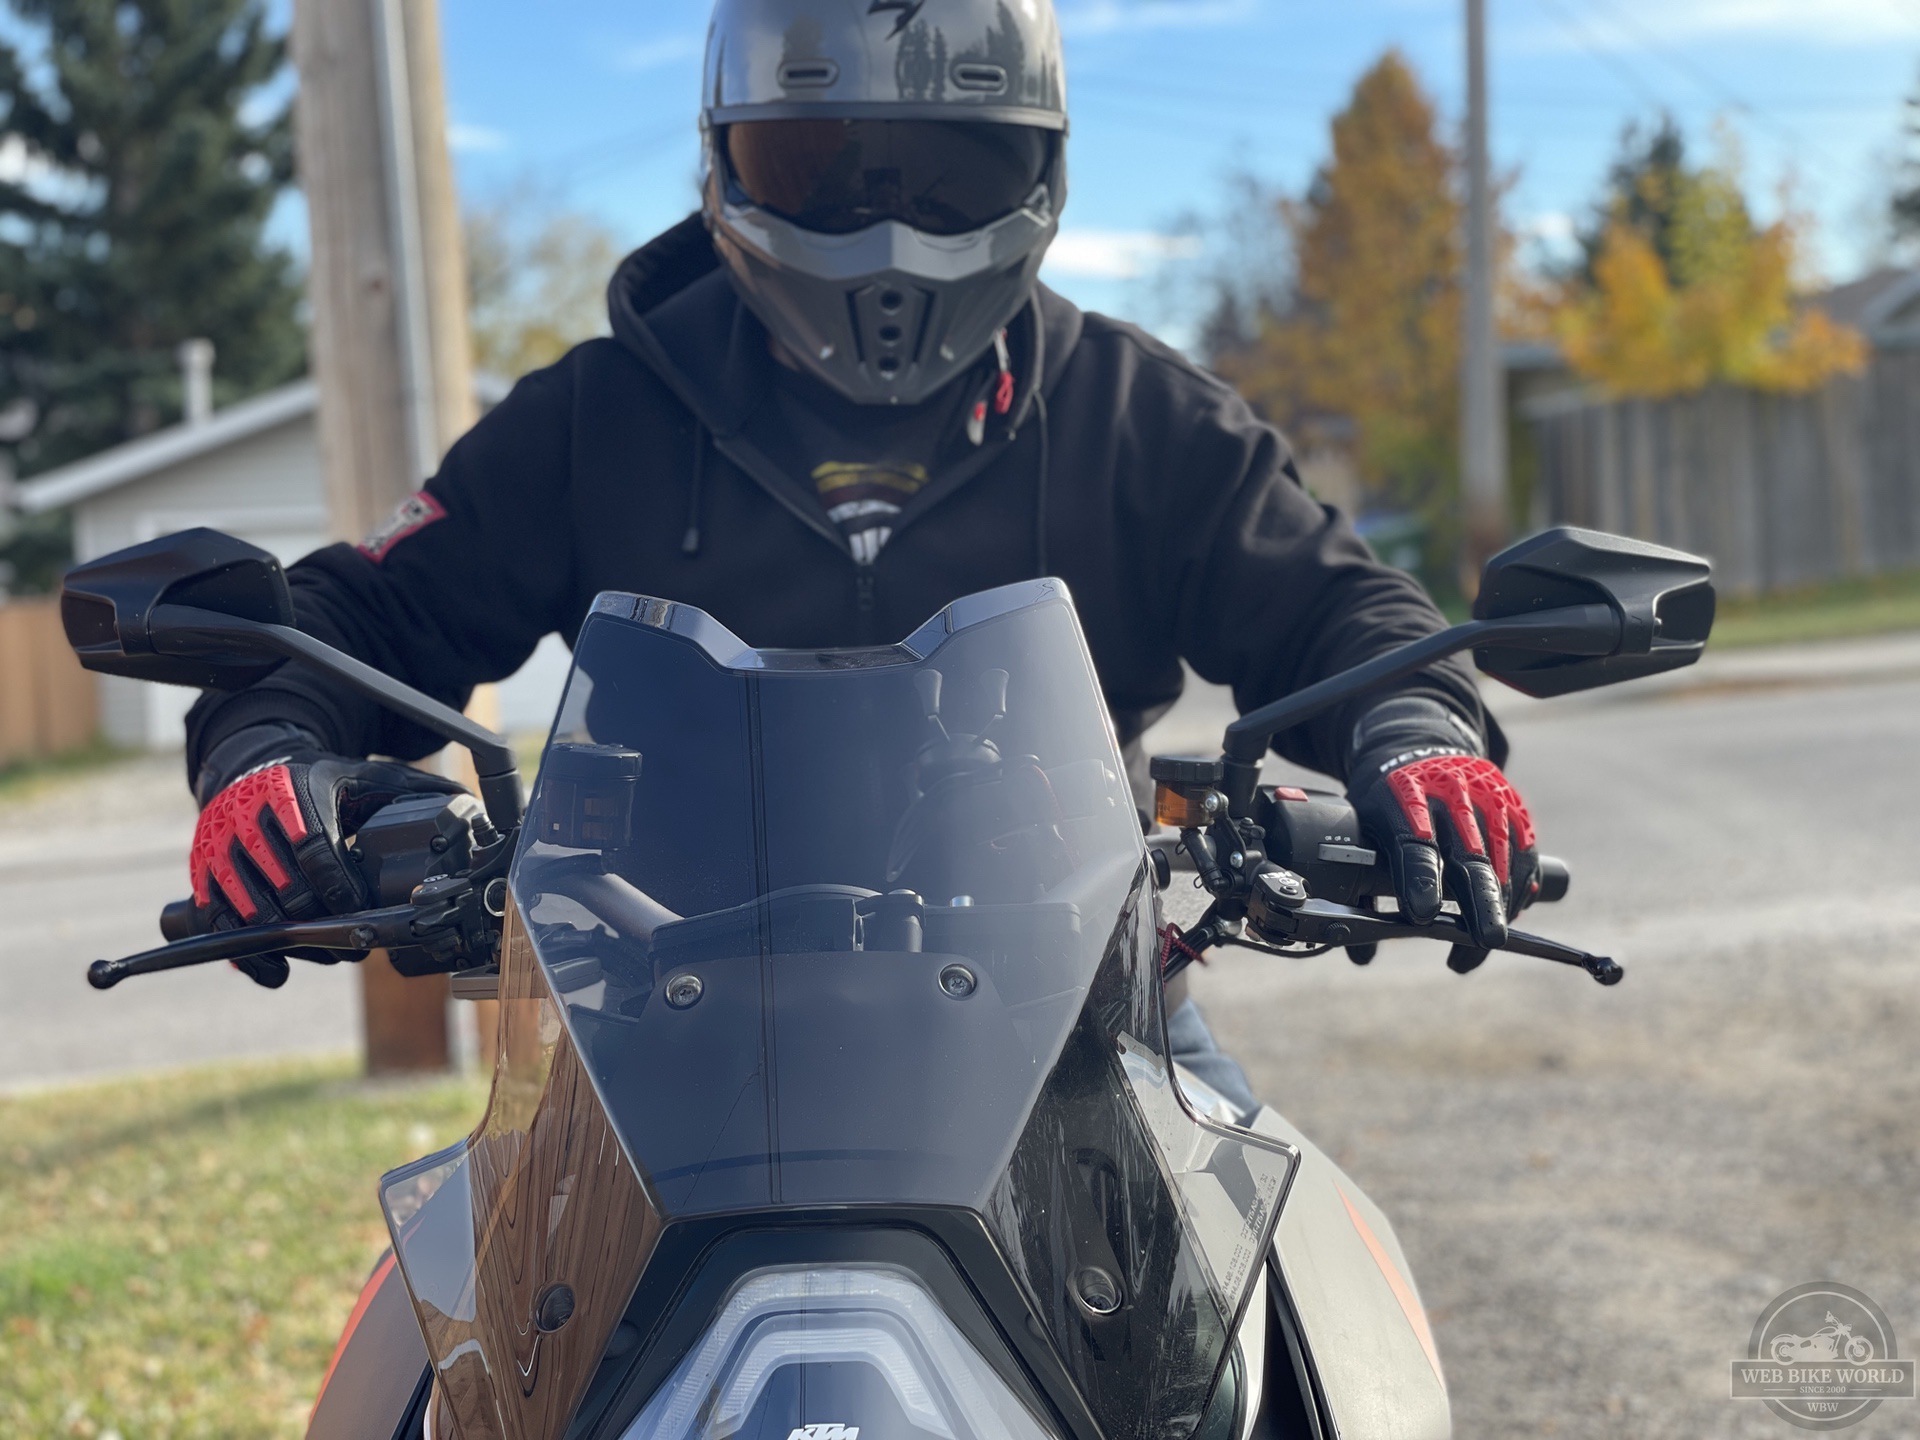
(107, 607)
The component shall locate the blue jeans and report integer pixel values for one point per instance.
(1193, 1046)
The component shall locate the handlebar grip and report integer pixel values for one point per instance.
(181, 921)
(1555, 879)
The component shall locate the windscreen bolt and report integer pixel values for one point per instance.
(1236, 860)
(1097, 1290)
(958, 981)
(684, 991)
(552, 1308)
(493, 899)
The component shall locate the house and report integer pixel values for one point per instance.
(253, 470)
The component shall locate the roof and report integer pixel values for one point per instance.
(1872, 303)
(178, 444)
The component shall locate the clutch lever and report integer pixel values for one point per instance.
(367, 930)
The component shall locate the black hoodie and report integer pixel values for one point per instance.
(1173, 513)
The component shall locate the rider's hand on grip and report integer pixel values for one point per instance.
(271, 846)
(1451, 825)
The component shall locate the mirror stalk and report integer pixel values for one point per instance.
(185, 630)
(1570, 630)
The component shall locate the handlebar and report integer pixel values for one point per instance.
(1315, 885)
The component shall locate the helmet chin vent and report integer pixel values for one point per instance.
(890, 326)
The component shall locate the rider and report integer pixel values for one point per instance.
(834, 400)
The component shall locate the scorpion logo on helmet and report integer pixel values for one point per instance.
(904, 9)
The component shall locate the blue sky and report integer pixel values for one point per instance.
(595, 99)
(593, 102)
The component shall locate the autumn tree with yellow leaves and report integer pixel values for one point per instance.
(1685, 291)
(1369, 328)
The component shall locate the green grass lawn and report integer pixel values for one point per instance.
(179, 1253)
(1871, 606)
(26, 778)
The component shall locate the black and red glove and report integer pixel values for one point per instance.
(271, 845)
(1452, 825)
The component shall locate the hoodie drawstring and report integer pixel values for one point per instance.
(1040, 501)
(690, 542)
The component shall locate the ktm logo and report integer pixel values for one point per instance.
(904, 9)
(828, 1432)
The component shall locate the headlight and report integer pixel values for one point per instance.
(826, 1354)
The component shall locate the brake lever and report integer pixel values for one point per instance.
(1281, 908)
(367, 930)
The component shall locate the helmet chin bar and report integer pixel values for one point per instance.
(888, 315)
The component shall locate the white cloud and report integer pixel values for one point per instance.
(656, 54)
(1104, 17)
(1553, 227)
(1116, 254)
(475, 139)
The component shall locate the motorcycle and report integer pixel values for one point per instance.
(833, 1094)
(1832, 1342)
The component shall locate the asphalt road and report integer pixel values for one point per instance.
(1598, 1189)
(85, 865)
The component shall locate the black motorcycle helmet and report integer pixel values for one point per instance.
(883, 177)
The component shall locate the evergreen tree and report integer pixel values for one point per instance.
(143, 144)
(1906, 201)
(1643, 189)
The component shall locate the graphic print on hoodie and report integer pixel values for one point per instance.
(862, 462)
(864, 500)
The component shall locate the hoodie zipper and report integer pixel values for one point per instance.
(865, 605)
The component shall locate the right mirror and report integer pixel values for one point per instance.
(1664, 599)
(107, 609)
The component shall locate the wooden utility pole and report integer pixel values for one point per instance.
(389, 347)
(1483, 469)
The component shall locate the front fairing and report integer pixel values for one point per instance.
(838, 933)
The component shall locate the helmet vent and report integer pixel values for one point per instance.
(987, 79)
(808, 74)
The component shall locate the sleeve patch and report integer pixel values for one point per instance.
(410, 517)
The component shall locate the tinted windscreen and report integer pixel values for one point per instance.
(873, 928)
(918, 862)
(838, 176)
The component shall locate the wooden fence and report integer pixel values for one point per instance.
(48, 704)
(1779, 491)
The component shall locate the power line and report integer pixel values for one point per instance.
(1687, 66)
(1581, 37)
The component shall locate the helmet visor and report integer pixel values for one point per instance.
(834, 177)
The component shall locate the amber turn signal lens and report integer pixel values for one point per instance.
(1179, 809)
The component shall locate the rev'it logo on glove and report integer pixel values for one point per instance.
(904, 9)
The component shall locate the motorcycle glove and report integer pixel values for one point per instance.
(1450, 822)
(270, 845)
